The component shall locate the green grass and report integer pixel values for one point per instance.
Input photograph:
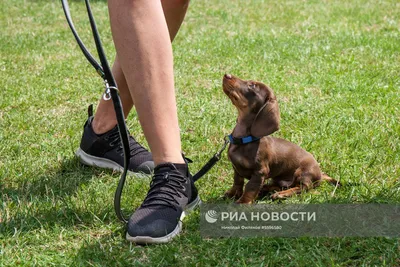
(334, 66)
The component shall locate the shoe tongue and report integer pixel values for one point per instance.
(165, 167)
(182, 168)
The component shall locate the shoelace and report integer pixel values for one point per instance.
(164, 189)
(134, 146)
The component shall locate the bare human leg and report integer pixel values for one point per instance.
(97, 147)
(142, 39)
(104, 120)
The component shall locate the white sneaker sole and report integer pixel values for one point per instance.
(94, 161)
(167, 238)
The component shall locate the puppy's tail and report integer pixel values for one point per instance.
(330, 180)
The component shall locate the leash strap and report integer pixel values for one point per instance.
(211, 162)
(85, 51)
(111, 92)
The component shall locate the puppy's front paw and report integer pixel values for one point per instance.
(229, 194)
(277, 195)
(244, 199)
(243, 202)
(233, 193)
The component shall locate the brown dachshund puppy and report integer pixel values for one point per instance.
(257, 156)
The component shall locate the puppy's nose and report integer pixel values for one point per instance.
(228, 76)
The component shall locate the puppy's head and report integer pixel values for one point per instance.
(256, 103)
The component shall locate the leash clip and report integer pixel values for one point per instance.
(107, 91)
(226, 142)
(211, 162)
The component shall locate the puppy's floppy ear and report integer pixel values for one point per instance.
(267, 120)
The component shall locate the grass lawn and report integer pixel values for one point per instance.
(334, 66)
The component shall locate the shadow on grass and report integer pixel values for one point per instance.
(189, 249)
(113, 249)
(45, 201)
(62, 180)
(109, 250)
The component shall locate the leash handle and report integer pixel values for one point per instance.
(85, 51)
(111, 92)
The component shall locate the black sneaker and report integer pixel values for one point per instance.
(160, 216)
(106, 151)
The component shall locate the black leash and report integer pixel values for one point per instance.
(211, 162)
(111, 92)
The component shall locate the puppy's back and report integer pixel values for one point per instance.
(284, 156)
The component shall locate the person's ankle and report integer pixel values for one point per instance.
(164, 160)
(101, 126)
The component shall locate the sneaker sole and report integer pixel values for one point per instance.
(167, 238)
(94, 161)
